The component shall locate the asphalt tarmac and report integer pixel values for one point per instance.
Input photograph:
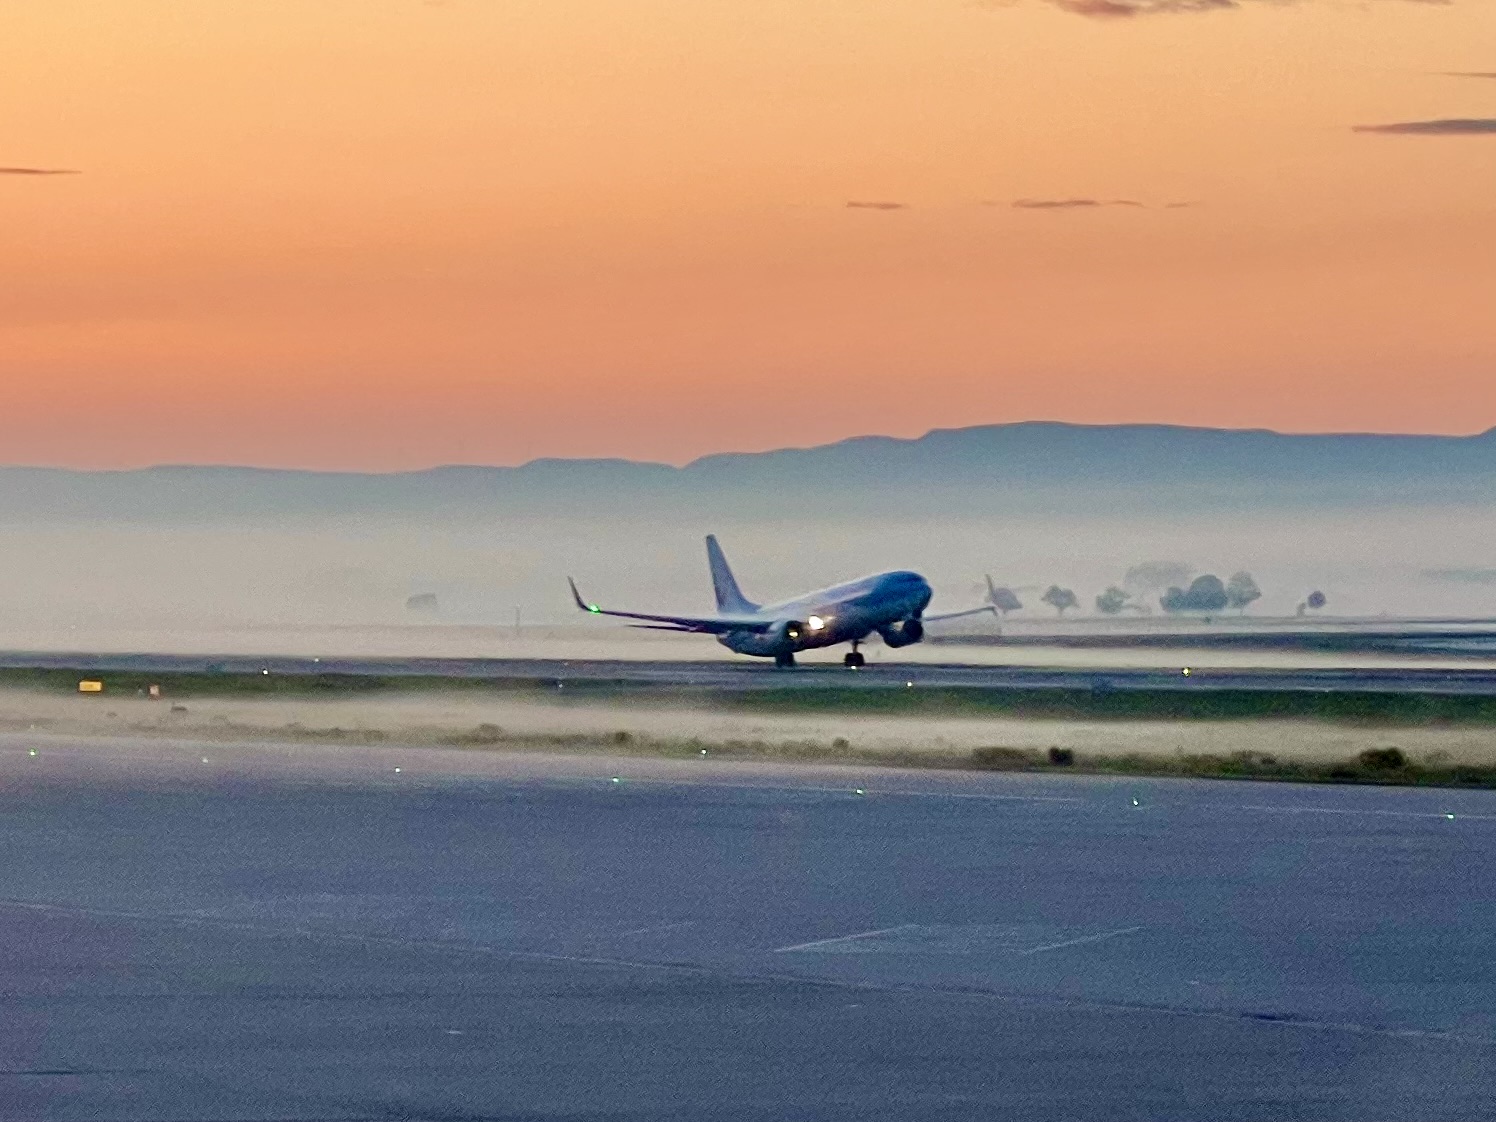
(245, 932)
(747, 676)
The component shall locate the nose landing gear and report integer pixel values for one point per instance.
(854, 659)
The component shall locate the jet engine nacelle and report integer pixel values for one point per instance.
(902, 634)
(781, 639)
(786, 633)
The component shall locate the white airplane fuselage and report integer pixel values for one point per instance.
(844, 613)
(891, 604)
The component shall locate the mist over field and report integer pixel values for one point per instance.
(210, 549)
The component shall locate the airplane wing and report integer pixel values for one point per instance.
(937, 617)
(705, 625)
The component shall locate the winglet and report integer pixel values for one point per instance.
(577, 596)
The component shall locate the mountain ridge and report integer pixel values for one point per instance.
(1024, 465)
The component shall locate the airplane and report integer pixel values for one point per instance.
(892, 604)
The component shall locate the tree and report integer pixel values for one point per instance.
(1152, 576)
(1112, 601)
(1241, 590)
(1205, 594)
(1315, 600)
(1059, 598)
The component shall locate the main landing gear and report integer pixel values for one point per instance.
(854, 659)
(784, 661)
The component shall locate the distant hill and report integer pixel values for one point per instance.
(991, 469)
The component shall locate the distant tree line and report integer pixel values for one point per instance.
(1203, 595)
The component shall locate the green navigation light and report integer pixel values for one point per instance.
(594, 609)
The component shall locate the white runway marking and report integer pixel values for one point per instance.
(1082, 939)
(1356, 812)
(658, 928)
(843, 938)
(955, 992)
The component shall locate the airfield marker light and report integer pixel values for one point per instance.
(32, 752)
(616, 780)
(862, 790)
(1448, 816)
(205, 759)
(1134, 801)
(703, 751)
(397, 771)
(1186, 671)
(266, 671)
(908, 685)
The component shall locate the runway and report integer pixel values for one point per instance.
(250, 932)
(739, 676)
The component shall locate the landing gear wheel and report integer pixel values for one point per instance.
(854, 660)
(784, 661)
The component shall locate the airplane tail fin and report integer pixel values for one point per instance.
(991, 590)
(730, 597)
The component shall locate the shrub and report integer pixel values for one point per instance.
(482, 734)
(1061, 757)
(1382, 759)
(1004, 759)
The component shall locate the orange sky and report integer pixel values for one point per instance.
(387, 233)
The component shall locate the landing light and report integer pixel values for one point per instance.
(815, 623)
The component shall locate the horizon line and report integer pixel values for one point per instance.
(268, 468)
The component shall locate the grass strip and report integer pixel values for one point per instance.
(1361, 708)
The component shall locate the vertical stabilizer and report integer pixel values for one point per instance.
(730, 597)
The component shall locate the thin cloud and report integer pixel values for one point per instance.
(1126, 9)
(39, 171)
(874, 204)
(1470, 74)
(1069, 204)
(1450, 126)
(1130, 9)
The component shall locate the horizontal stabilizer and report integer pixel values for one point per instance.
(987, 609)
